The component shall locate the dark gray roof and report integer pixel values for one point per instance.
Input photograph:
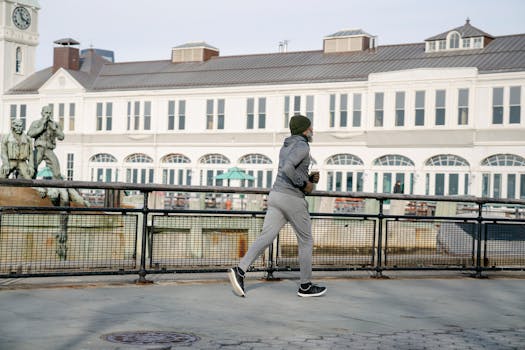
(466, 31)
(503, 54)
(348, 32)
(66, 42)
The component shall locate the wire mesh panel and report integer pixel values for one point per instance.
(419, 244)
(62, 242)
(338, 242)
(504, 245)
(202, 241)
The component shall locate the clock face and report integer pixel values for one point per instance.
(21, 17)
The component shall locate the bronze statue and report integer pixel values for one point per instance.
(17, 152)
(45, 131)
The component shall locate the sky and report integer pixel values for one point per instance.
(144, 30)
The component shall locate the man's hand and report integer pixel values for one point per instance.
(314, 177)
(309, 187)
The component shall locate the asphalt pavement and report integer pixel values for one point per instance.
(406, 311)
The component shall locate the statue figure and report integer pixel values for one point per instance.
(17, 152)
(45, 131)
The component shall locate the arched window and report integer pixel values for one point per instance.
(214, 158)
(210, 171)
(442, 177)
(503, 160)
(103, 168)
(141, 172)
(261, 169)
(453, 41)
(503, 176)
(446, 160)
(173, 170)
(393, 160)
(255, 158)
(394, 169)
(103, 158)
(138, 158)
(339, 177)
(175, 158)
(18, 60)
(344, 159)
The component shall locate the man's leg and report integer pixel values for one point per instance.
(273, 222)
(52, 163)
(300, 220)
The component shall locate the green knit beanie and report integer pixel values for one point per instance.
(298, 124)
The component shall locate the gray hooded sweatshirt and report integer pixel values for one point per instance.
(294, 160)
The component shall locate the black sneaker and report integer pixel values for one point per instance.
(311, 291)
(237, 280)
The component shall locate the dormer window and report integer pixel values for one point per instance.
(453, 40)
(466, 37)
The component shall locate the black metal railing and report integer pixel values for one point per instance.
(148, 233)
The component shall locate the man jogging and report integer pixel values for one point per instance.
(286, 203)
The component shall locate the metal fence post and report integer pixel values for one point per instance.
(380, 216)
(479, 219)
(145, 212)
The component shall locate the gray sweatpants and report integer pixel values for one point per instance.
(283, 208)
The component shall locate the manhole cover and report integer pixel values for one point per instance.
(151, 337)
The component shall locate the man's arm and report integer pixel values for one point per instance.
(36, 128)
(296, 156)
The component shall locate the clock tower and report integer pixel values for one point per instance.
(18, 41)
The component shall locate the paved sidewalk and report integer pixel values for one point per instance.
(356, 313)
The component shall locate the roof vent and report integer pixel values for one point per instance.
(349, 40)
(193, 52)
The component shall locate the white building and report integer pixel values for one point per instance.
(442, 116)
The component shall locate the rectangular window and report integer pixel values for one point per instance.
(297, 105)
(147, 115)
(109, 116)
(310, 108)
(522, 186)
(356, 114)
(343, 107)
(12, 111)
(61, 114)
(440, 107)
(453, 184)
(338, 180)
(182, 114)
(497, 185)
(462, 106)
(220, 114)
(332, 110)
(497, 106)
(465, 187)
(100, 107)
(129, 117)
(262, 113)
(440, 184)
(72, 117)
(171, 115)
(378, 115)
(485, 185)
(23, 114)
(400, 108)
(359, 187)
(442, 44)
(477, 43)
(515, 105)
(209, 115)
(136, 115)
(250, 111)
(349, 181)
(286, 111)
(420, 108)
(70, 165)
(466, 43)
(511, 186)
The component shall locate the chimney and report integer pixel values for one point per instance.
(349, 40)
(65, 55)
(193, 52)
